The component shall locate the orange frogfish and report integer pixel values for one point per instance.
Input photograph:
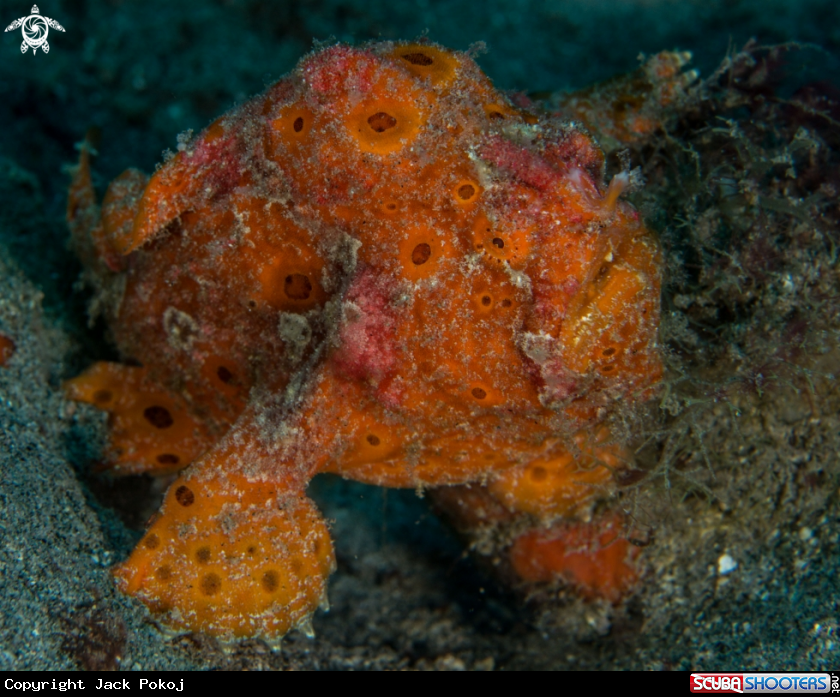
(382, 269)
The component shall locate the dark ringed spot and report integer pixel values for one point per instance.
(184, 496)
(210, 584)
(538, 474)
(466, 191)
(418, 58)
(270, 581)
(297, 287)
(158, 416)
(381, 122)
(102, 396)
(421, 254)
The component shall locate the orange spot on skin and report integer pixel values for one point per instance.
(428, 62)
(562, 483)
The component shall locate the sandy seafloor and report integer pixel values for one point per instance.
(405, 595)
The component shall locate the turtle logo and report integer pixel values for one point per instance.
(35, 28)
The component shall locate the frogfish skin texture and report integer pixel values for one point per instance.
(379, 268)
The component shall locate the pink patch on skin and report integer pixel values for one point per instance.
(518, 209)
(277, 94)
(550, 307)
(368, 350)
(559, 383)
(546, 306)
(329, 71)
(585, 185)
(575, 150)
(571, 286)
(555, 383)
(215, 160)
(527, 166)
(390, 394)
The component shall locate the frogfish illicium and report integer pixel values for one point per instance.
(383, 269)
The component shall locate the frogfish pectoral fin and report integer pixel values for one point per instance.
(237, 550)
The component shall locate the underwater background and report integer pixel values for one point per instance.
(405, 594)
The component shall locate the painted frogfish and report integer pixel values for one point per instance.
(380, 268)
